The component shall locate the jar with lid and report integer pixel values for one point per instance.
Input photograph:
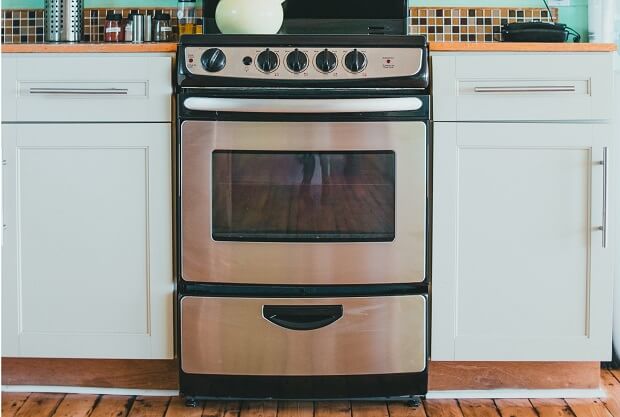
(162, 31)
(112, 29)
(198, 28)
(186, 13)
(128, 27)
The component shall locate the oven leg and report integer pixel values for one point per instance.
(191, 402)
(414, 402)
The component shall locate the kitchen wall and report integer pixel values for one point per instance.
(575, 15)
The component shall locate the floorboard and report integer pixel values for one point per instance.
(149, 407)
(259, 409)
(39, 405)
(75, 405)
(12, 402)
(478, 408)
(232, 409)
(332, 409)
(213, 408)
(177, 408)
(612, 387)
(588, 408)
(442, 408)
(369, 409)
(552, 408)
(515, 408)
(398, 409)
(295, 409)
(113, 406)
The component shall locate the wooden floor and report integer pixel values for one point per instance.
(74, 405)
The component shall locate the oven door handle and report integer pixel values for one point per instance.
(302, 317)
(269, 105)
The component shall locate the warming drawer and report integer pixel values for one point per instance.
(303, 336)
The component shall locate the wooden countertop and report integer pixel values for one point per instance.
(520, 47)
(434, 47)
(90, 47)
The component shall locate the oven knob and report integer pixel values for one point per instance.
(325, 61)
(213, 60)
(355, 61)
(297, 61)
(267, 60)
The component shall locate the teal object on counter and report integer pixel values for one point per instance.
(575, 15)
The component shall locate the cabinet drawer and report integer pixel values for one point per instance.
(499, 86)
(81, 88)
(303, 336)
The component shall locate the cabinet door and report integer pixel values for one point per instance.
(87, 247)
(519, 269)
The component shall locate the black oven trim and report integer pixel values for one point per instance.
(299, 291)
(381, 386)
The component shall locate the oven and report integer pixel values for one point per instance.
(302, 219)
(303, 201)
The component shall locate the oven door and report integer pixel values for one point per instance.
(303, 202)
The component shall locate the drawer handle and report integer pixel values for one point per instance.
(530, 89)
(603, 228)
(302, 317)
(80, 91)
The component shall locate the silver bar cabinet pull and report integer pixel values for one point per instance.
(605, 225)
(268, 105)
(527, 89)
(79, 91)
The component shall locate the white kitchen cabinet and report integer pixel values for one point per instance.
(87, 250)
(499, 86)
(519, 271)
(92, 87)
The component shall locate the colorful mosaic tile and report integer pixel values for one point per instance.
(458, 24)
(440, 24)
(27, 26)
(22, 26)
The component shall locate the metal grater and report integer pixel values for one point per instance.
(64, 20)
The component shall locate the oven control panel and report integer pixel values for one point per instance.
(307, 63)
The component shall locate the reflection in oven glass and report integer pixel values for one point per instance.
(303, 196)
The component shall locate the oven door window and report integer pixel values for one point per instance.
(303, 196)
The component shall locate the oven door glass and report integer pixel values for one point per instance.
(303, 203)
(303, 196)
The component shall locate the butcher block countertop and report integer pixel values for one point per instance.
(520, 47)
(434, 47)
(90, 47)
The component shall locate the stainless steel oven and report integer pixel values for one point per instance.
(302, 217)
(304, 202)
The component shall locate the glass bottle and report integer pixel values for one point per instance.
(128, 25)
(186, 13)
(162, 30)
(113, 28)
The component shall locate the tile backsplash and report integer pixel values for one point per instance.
(449, 24)
(470, 24)
(22, 26)
(26, 26)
